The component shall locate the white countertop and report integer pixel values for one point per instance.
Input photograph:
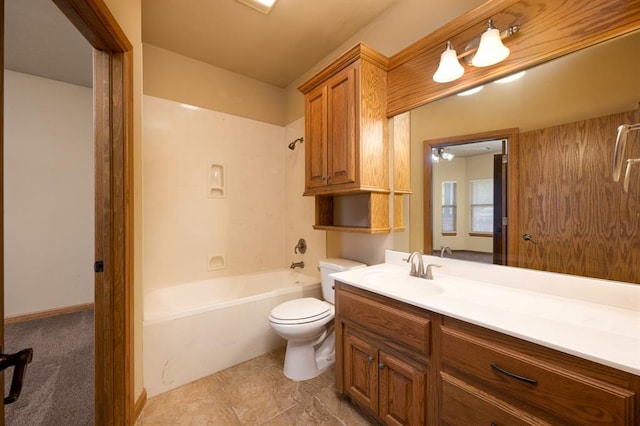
(601, 323)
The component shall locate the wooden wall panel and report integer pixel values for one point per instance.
(583, 222)
(549, 29)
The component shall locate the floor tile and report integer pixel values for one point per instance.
(255, 392)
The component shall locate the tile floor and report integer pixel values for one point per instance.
(253, 393)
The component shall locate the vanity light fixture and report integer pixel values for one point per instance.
(490, 50)
(449, 68)
(263, 6)
(438, 155)
(483, 51)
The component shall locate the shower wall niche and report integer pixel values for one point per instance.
(216, 181)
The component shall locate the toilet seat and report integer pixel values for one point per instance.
(301, 311)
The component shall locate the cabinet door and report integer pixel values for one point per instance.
(361, 371)
(341, 119)
(316, 138)
(402, 392)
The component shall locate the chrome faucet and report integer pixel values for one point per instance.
(295, 265)
(445, 249)
(419, 272)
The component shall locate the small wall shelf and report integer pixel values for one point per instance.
(366, 213)
(216, 181)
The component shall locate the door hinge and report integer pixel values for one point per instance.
(505, 159)
(505, 221)
(98, 266)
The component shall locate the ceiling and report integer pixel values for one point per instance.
(275, 48)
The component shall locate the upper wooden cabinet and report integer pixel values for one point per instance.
(346, 125)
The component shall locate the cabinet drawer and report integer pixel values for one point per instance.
(465, 405)
(541, 386)
(387, 321)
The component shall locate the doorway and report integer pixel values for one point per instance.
(113, 209)
(465, 196)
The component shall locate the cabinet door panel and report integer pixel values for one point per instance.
(361, 371)
(316, 138)
(402, 392)
(342, 154)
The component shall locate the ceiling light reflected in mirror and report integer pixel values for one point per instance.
(263, 6)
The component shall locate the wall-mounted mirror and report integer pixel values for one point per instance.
(565, 113)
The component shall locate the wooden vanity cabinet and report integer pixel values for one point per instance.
(503, 380)
(382, 355)
(405, 365)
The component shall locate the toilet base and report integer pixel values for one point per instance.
(304, 361)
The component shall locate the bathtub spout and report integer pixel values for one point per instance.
(295, 265)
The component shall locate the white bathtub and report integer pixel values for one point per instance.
(196, 329)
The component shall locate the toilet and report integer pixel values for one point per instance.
(307, 325)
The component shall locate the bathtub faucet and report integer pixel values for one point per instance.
(295, 265)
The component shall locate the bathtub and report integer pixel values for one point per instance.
(196, 329)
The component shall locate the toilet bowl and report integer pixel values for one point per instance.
(307, 325)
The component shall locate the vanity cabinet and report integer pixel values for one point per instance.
(504, 380)
(382, 356)
(346, 140)
(405, 365)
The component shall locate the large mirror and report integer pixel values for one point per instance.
(561, 194)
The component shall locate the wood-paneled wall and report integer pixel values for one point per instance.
(582, 222)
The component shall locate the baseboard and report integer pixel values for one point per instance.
(140, 403)
(48, 313)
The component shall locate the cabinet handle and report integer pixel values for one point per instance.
(370, 359)
(381, 365)
(515, 376)
(493, 424)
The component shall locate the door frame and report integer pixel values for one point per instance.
(113, 138)
(510, 199)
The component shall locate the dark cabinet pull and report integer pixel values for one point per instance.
(515, 376)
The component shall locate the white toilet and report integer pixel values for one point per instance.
(307, 325)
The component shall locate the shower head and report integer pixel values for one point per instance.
(292, 145)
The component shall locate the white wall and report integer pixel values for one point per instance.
(48, 190)
(257, 223)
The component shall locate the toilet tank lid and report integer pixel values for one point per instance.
(338, 264)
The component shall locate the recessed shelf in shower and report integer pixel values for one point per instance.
(216, 261)
(216, 181)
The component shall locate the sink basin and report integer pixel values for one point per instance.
(401, 281)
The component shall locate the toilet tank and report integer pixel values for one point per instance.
(329, 266)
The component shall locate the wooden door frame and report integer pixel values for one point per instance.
(511, 197)
(113, 133)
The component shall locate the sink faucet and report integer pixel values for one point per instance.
(419, 272)
(295, 265)
(445, 249)
(427, 273)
